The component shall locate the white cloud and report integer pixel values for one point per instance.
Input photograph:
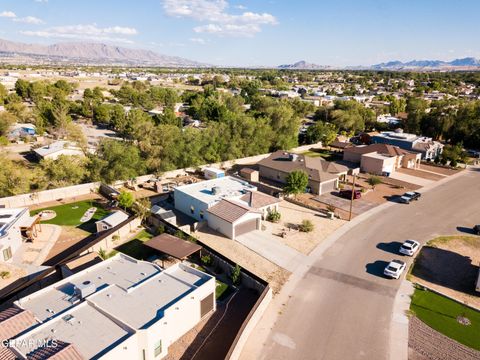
(41, 1)
(219, 20)
(240, 7)
(199, 41)
(8, 14)
(86, 32)
(29, 20)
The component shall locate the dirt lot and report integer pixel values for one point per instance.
(245, 257)
(422, 174)
(449, 264)
(439, 169)
(292, 215)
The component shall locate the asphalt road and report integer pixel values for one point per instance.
(341, 309)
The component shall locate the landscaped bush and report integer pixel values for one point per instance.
(235, 274)
(5, 274)
(206, 260)
(306, 226)
(274, 216)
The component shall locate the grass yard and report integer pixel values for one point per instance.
(440, 313)
(135, 247)
(70, 214)
(222, 290)
(325, 154)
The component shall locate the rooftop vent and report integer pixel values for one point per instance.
(216, 190)
(84, 289)
(293, 157)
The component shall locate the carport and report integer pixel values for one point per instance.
(173, 246)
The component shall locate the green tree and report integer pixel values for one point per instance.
(320, 131)
(374, 181)
(63, 171)
(416, 111)
(14, 178)
(141, 208)
(296, 182)
(125, 199)
(306, 226)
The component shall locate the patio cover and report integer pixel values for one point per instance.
(173, 246)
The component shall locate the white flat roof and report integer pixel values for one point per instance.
(376, 155)
(227, 186)
(8, 216)
(88, 329)
(55, 147)
(127, 295)
(114, 218)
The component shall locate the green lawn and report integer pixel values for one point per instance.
(221, 289)
(326, 154)
(440, 313)
(70, 214)
(135, 247)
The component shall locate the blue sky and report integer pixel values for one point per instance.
(249, 33)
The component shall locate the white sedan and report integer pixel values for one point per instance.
(409, 247)
(394, 269)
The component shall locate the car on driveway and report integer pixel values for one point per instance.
(409, 196)
(347, 194)
(476, 229)
(395, 268)
(409, 247)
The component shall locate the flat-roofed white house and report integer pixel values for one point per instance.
(120, 308)
(14, 224)
(111, 220)
(229, 205)
(54, 150)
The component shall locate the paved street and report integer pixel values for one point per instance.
(342, 307)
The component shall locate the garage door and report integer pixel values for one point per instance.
(245, 227)
(327, 187)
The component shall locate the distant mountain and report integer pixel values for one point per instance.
(303, 65)
(87, 53)
(466, 63)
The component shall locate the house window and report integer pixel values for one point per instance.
(201, 214)
(192, 209)
(278, 176)
(7, 253)
(158, 348)
(206, 305)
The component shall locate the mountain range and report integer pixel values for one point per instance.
(303, 65)
(87, 53)
(468, 62)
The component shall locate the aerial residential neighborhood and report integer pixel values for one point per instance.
(176, 184)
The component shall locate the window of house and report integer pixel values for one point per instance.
(158, 348)
(201, 214)
(206, 305)
(192, 209)
(7, 253)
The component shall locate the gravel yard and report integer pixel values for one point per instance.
(450, 265)
(293, 214)
(246, 258)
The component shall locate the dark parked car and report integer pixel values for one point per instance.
(409, 196)
(347, 194)
(476, 229)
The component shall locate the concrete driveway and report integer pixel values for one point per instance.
(266, 245)
(410, 178)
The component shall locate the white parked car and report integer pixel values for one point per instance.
(409, 247)
(394, 269)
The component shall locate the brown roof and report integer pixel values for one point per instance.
(62, 351)
(383, 149)
(7, 354)
(173, 246)
(229, 210)
(248, 170)
(317, 168)
(259, 200)
(13, 321)
(341, 144)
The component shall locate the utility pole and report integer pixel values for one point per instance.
(351, 199)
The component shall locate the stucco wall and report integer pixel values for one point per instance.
(352, 157)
